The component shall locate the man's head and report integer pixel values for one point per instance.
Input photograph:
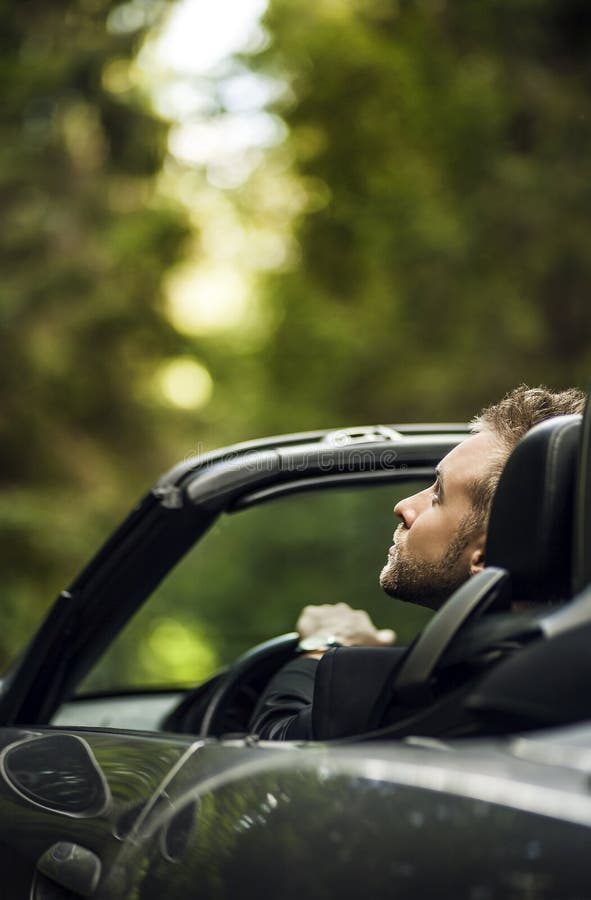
(441, 538)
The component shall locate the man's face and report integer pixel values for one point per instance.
(435, 548)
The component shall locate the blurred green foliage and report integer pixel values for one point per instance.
(441, 154)
(84, 246)
(446, 148)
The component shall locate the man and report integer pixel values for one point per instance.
(437, 546)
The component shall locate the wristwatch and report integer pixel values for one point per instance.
(318, 643)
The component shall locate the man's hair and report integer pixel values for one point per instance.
(509, 420)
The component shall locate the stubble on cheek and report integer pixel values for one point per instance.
(425, 583)
(389, 576)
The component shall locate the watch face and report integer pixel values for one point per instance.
(318, 642)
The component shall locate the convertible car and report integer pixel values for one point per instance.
(119, 779)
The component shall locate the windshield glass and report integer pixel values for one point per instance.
(248, 579)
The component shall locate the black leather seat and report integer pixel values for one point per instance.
(546, 683)
(533, 510)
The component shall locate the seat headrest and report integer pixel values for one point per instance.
(530, 532)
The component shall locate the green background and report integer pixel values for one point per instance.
(441, 154)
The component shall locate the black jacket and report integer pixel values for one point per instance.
(344, 693)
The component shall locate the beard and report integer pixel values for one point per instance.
(427, 584)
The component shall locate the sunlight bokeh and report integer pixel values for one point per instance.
(185, 383)
(206, 298)
(178, 649)
(199, 34)
(220, 132)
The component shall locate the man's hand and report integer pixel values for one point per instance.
(350, 627)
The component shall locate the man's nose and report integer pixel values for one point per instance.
(411, 507)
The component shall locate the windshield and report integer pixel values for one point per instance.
(248, 579)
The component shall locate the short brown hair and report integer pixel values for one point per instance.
(509, 420)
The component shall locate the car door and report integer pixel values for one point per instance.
(69, 800)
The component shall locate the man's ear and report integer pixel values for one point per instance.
(477, 560)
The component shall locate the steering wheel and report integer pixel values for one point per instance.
(237, 690)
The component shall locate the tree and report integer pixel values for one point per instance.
(84, 245)
(445, 153)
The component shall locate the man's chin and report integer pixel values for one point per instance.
(388, 581)
(412, 589)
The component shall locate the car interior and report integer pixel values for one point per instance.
(450, 681)
(456, 679)
(478, 666)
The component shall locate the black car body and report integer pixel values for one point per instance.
(145, 795)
